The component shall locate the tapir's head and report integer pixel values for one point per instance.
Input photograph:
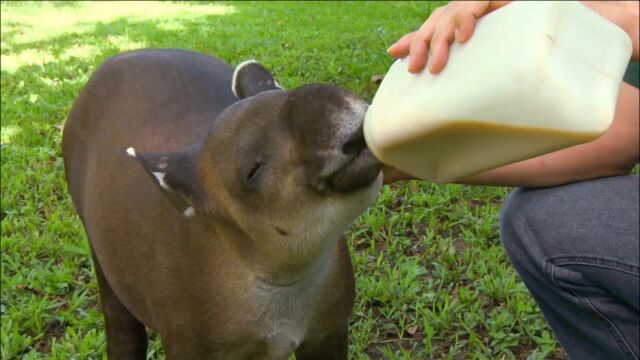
(289, 168)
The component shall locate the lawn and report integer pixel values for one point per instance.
(432, 279)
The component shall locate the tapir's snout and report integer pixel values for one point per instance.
(360, 169)
(357, 168)
(328, 124)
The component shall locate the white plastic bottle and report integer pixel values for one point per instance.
(535, 77)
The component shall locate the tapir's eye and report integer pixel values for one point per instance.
(253, 173)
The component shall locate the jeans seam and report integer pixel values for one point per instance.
(551, 272)
(615, 331)
(597, 262)
(550, 267)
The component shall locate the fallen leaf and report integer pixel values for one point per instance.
(412, 330)
(29, 288)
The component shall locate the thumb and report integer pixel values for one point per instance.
(401, 47)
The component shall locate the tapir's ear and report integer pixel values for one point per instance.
(250, 78)
(175, 174)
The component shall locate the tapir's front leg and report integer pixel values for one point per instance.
(126, 336)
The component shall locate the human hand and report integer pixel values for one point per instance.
(391, 175)
(625, 14)
(454, 21)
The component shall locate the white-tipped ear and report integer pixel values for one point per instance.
(251, 78)
(174, 173)
(237, 71)
(132, 152)
(189, 212)
(160, 177)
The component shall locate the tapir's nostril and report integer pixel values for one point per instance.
(355, 143)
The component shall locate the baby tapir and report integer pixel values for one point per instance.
(214, 202)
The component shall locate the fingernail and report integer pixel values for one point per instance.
(389, 49)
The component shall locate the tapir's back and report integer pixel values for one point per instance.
(153, 100)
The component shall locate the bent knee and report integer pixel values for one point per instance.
(512, 220)
(531, 220)
(597, 217)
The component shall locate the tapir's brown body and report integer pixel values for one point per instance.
(219, 227)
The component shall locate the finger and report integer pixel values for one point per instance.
(418, 58)
(465, 21)
(420, 45)
(464, 24)
(439, 57)
(478, 8)
(401, 47)
(440, 46)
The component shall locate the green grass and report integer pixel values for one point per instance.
(432, 278)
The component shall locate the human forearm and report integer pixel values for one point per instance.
(614, 153)
(547, 170)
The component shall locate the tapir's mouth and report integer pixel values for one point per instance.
(361, 168)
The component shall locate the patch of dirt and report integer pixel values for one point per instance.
(522, 352)
(54, 329)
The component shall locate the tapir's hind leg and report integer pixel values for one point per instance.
(126, 336)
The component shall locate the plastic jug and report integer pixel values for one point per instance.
(535, 77)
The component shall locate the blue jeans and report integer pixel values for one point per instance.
(576, 248)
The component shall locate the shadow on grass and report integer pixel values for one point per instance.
(41, 78)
